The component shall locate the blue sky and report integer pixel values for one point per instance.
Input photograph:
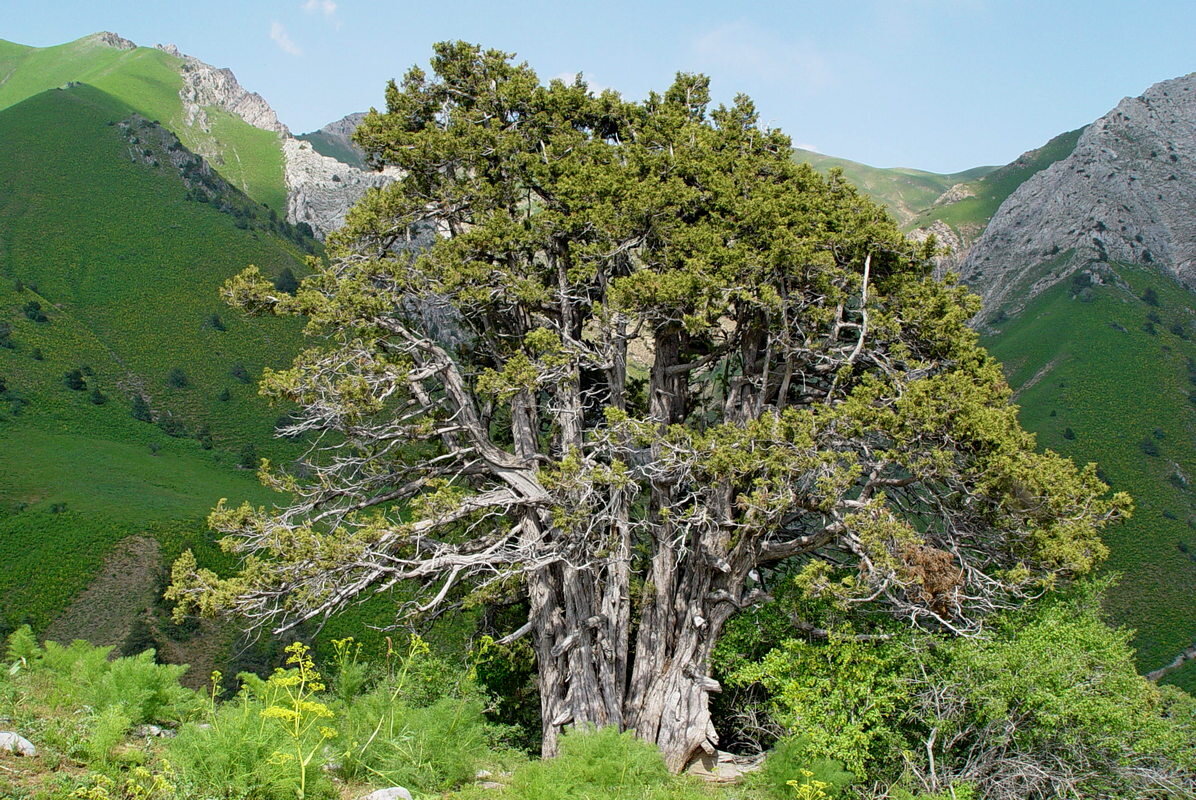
(942, 85)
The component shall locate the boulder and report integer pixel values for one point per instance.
(393, 793)
(12, 743)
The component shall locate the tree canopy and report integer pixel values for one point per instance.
(624, 360)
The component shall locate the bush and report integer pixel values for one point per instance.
(33, 310)
(97, 397)
(596, 764)
(178, 379)
(791, 760)
(248, 457)
(74, 380)
(286, 281)
(140, 409)
(235, 755)
(239, 372)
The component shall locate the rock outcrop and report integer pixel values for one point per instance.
(110, 39)
(321, 190)
(335, 139)
(1126, 193)
(205, 86)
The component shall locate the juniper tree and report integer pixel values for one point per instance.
(642, 358)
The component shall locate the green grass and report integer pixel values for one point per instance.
(148, 80)
(970, 215)
(1084, 363)
(127, 271)
(333, 147)
(904, 192)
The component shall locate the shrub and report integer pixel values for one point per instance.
(239, 372)
(594, 764)
(172, 425)
(140, 409)
(74, 380)
(248, 457)
(33, 310)
(97, 397)
(178, 379)
(789, 760)
(214, 322)
(286, 281)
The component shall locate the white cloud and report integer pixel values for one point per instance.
(325, 7)
(740, 48)
(283, 39)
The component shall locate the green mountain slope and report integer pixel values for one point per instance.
(114, 242)
(904, 192)
(148, 80)
(1104, 376)
(968, 215)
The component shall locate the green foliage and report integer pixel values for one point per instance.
(177, 379)
(791, 760)
(248, 457)
(231, 754)
(597, 764)
(74, 380)
(286, 281)
(842, 700)
(1048, 701)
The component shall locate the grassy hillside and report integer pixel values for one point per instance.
(333, 147)
(110, 267)
(904, 192)
(148, 80)
(969, 215)
(1103, 375)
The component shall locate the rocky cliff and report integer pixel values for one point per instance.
(1125, 193)
(205, 86)
(321, 190)
(335, 140)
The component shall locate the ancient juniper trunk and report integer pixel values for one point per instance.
(668, 699)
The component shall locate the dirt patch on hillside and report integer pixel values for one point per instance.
(126, 586)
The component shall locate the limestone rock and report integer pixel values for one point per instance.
(12, 743)
(206, 86)
(393, 793)
(110, 39)
(320, 190)
(1126, 193)
(956, 193)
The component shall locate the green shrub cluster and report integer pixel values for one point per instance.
(1048, 703)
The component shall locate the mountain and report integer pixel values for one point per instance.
(1082, 251)
(334, 140)
(1124, 194)
(235, 130)
(904, 192)
(960, 215)
(114, 241)
(1086, 271)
